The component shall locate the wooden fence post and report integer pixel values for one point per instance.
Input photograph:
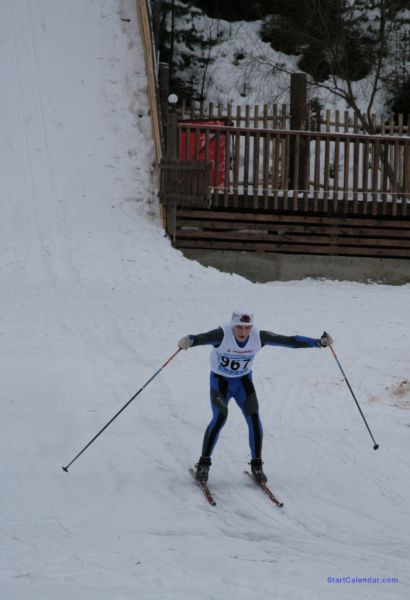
(163, 82)
(172, 154)
(172, 141)
(156, 22)
(298, 114)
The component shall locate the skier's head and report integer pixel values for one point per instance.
(242, 316)
(242, 322)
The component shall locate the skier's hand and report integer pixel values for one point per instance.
(326, 340)
(185, 342)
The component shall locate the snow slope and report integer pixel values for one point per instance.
(93, 300)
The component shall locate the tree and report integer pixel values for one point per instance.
(341, 42)
(235, 10)
(397, 75)
(186, 49)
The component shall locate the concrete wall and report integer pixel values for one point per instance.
(263, 267)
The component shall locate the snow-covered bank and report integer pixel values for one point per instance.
(93, 300)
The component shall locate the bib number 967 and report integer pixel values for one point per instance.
(233, 364)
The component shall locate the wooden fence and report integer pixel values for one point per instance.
(277, 116)
(266, 169)
(299, 192)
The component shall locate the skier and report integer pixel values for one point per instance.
(234, 348)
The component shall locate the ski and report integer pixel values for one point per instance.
(266, 490)
(204, 487)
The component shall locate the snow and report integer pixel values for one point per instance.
(242, 68)
(239, 68)
(93, 301)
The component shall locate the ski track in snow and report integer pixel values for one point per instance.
(93, 301)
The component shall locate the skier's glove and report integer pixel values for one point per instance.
(185, 342)
(326, 340)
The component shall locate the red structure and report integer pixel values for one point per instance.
(211, 147)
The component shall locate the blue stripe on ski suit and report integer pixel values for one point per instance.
(235, 389)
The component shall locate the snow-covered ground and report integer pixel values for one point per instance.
(93, 301)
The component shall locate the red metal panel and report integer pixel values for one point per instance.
(216, 150)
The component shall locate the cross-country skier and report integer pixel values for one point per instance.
(234, 348)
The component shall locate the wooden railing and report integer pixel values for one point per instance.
(283, 169)
(145, 23)
(277, 116)
(272, 116)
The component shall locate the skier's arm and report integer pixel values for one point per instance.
(213, 337)
(294, 341)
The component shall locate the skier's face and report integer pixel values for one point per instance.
(241, 332)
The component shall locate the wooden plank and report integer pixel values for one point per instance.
(326, 175)
(227, 168)
(246, 153)
(344, 228)
(336, 172)
(294, 172)
(365, 176)
(356, 164)
(236, 164)
(265, 159)
(346, 169)
(255, 182)
(275, 118)
(256, 116)
(276, 149)
(311, 135)
(318, 229)
(296, 248)
(317, 175)
(406, 178)
(269, 217)
(265, 166)
(197, 144)
(395, 177)
(375, 176)
(385, 166)
(207, 150)
(306, 175)
(285, 170)
(261, 236)
(283, 116)
(346, 121)
(216, 166)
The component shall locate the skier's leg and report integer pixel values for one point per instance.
(219, 405)
(248, 402)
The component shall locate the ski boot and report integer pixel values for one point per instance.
(202, 469)
(257, 471)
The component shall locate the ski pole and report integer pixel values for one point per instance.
(375, 446)
(120, 411)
